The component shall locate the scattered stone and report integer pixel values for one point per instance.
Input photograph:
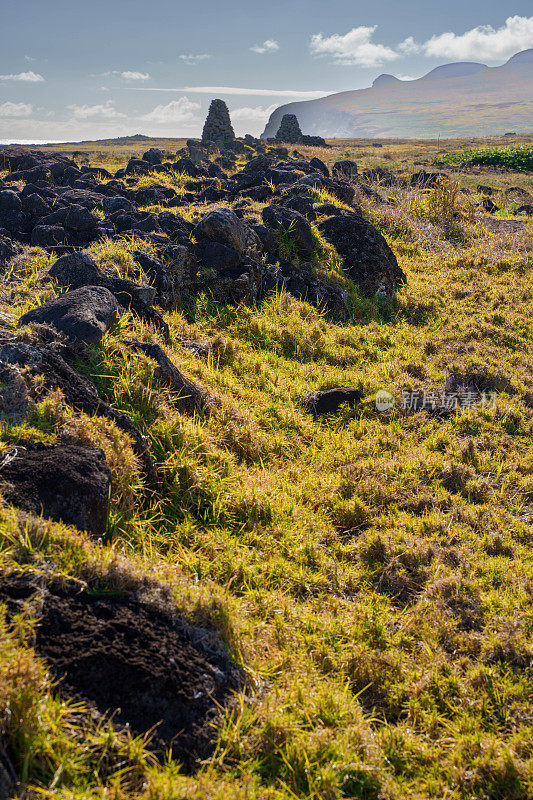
(66, 483)
(330, 400)
(86, 313)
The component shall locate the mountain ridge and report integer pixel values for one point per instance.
(453, 100)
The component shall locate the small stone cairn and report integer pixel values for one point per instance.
(289, 130)
(291, 133)
(217, 127)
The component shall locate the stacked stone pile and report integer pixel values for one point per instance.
(291, 133)
(217, 127)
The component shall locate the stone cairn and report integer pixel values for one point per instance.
(217, 127)
(289, 130)
(291, 133)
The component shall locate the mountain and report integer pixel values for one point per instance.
(453, 100)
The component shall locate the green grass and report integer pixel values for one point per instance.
(371, 573)
(519, 158)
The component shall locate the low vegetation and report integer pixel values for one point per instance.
(519, 158)
(371, 573)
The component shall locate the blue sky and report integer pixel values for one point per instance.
(72, 70)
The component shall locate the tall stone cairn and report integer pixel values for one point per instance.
(289, 130)
(217, 126)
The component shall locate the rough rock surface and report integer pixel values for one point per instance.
(66, 483)
(367, 258)
(127, 659)
(225, 227)
(86, 313)
(291, 224)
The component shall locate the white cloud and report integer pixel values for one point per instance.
(29, 77)
(352, 48)
(193, 60)
(409, 46)
(131, 75)
(127, 75)
(251, 119)
(484, 42)
(252, 113)
(9, 109)
(237, 90)
(268, 46)
(182, 111)
(104, 111)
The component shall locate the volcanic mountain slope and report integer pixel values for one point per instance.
(453, 100)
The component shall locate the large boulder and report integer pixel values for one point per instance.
(65, 483)
(346, 168)
(367, 258)
(291, 224)
(225, 227)
(85, 314)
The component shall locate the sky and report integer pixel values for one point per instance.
(73, 70)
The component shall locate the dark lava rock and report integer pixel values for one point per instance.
(367, 258)
(259, 193)
(329, 401)
(47, 362)
(78, 269)
(153, 156)
(304, 284)
(111, 205)
(481, 189)
(267, 239)
(346, 168)
(66, 483)
(148, 669)
(7, 250)
(10, 201)
(48, 236)
(525, 209)
(292, 224)
(35, 205)
(85, 313)
(78, 218)
(303, 205)
(225, 227)
(426, 180)
(489, 206)
(258, 164)
(318, 164)
(219, 257)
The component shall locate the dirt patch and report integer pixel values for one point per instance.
(127, 658)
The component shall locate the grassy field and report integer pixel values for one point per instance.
(371, 573)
